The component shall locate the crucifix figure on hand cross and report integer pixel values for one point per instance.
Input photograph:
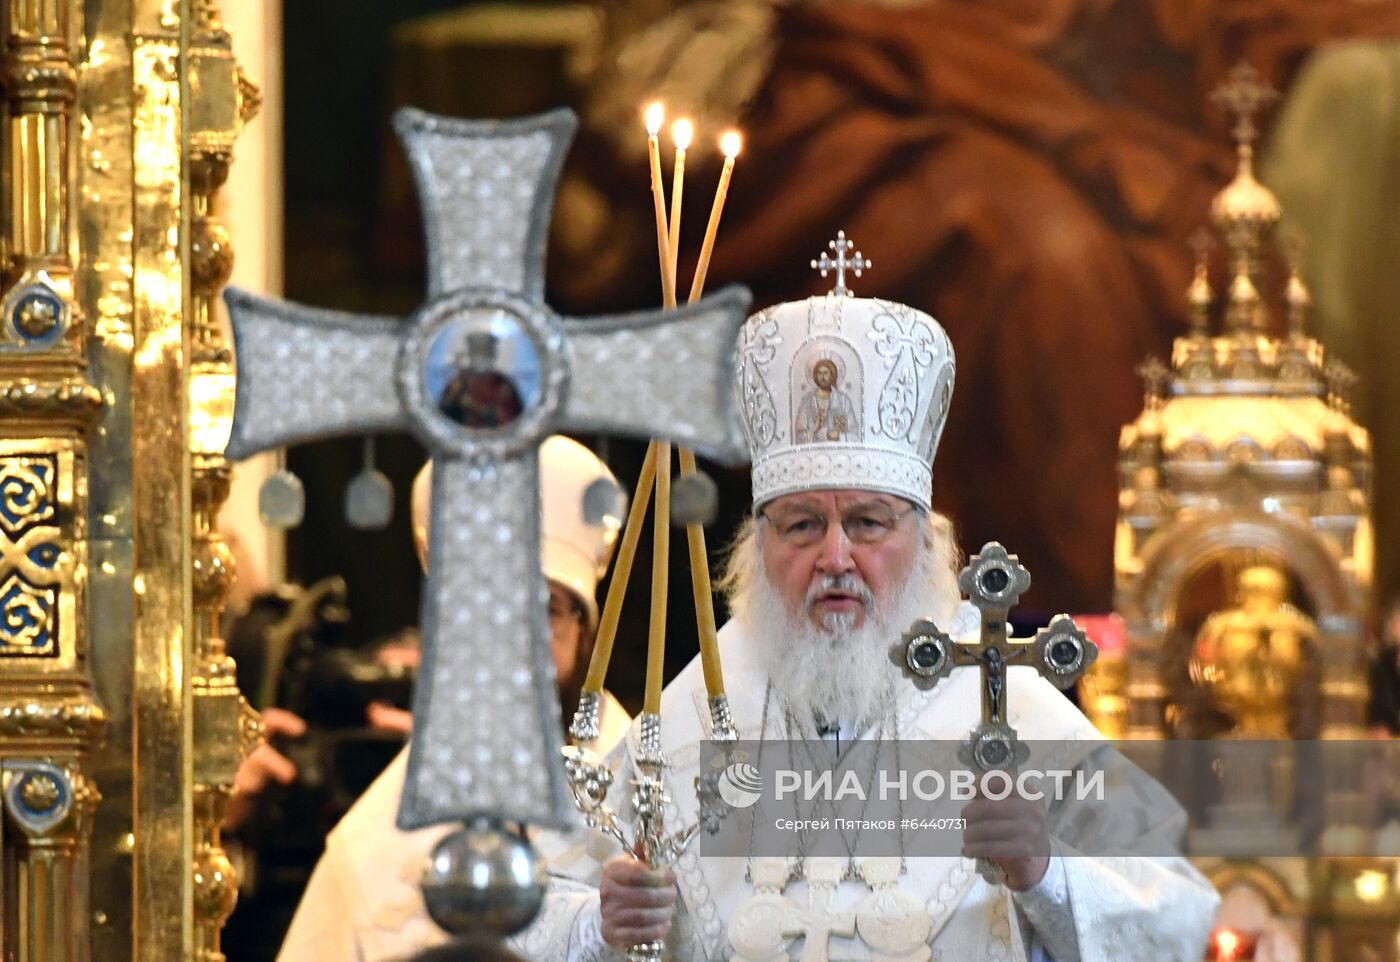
(481, 374)
(994, 582)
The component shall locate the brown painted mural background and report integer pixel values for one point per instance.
(1030, 174)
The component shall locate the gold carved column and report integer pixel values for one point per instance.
(222, 100)
(159, 101)
(50, 722)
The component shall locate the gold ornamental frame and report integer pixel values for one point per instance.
(1245, 448)
(1246, 453)
(119, 122)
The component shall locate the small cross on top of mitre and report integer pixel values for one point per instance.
(844, 261)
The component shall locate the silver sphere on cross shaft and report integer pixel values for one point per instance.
(484, 879)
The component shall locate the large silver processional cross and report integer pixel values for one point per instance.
(482, 373)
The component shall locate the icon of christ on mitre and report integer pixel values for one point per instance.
(844, 400)
(826, 412)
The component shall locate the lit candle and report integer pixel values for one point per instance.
(659, 451)
(730, 144)
(682, 132)
(1227, 945)
(655, 116)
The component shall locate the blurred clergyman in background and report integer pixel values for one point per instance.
(363, 901)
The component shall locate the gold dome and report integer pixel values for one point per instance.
(1245, 211)
(1244, 203)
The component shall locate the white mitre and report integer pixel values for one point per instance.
(574, 547)
(875, 428)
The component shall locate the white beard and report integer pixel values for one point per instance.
(837, 672)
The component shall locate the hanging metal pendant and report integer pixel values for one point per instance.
(694, 500)
(604, 504)
(282, 500)
(369, 497)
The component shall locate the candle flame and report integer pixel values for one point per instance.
(1227, 943)
(683, 132)
(655, 117)
(1371, 886)
(730, 143)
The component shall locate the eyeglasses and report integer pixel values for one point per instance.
(865, 524)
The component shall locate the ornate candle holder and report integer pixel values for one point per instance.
(590, 780)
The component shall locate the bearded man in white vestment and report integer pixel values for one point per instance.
(843, 552)
(363, 902)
